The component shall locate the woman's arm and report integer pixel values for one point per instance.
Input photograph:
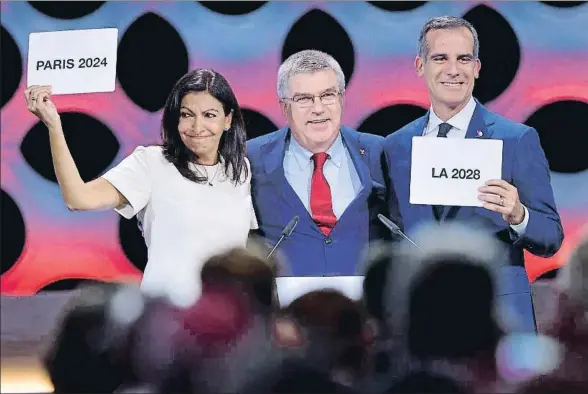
(78, 195)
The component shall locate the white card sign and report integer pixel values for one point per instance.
(292, 287)
(73, 61)
(449, 171)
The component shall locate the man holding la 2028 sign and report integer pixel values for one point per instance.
(519, 208)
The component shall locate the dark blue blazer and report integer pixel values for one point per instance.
(524, 165)
(308, 252)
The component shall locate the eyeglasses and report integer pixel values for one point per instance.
(307, 100)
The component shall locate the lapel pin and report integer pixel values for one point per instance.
(361, 151)
(479, 133)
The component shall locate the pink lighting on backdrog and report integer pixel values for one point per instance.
(62, 245)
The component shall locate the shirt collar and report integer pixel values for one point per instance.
(303, 157)
(460, 120)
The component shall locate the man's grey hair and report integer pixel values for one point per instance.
(307, 61)
(445, 22)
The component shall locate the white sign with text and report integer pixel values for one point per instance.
(292, 287)
(73, 61)
(449, 171)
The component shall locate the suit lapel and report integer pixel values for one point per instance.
(359, 157)
(419, 211)
(477, 129)
(360, 160)
(273, 158)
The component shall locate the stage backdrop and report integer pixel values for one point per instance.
(534, 70)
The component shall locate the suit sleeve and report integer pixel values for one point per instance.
(544, 233)
(391, 197)
(252, 154)
(253, 225)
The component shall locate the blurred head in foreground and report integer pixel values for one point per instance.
(449, 283)
(89, 352)
(573, 277)
(337, 332)
(234, 330)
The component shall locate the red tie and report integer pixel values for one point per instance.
(321, 204)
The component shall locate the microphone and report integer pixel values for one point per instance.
(395, 229)
(285, 234)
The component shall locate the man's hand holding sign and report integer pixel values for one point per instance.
(502, 197)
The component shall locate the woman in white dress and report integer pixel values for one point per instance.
(191, 194)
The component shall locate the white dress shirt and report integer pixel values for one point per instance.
(339, 171)
(460, 123)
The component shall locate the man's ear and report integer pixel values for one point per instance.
(284, 108)
(477, 68)
(286, 332)
(419, 66)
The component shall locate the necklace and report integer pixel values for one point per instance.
(214, 176)
(200, 167)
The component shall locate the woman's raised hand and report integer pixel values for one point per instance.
(39, 103)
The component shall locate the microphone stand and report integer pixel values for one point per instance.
(285, 233)
(276, 246)
(395, 229)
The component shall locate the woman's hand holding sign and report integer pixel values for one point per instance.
(39, 103)
(502, 197)
(78, 195)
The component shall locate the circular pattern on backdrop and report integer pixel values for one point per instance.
(318, 30)
(559, 125)
(395, 6)
(151, 58)
(91, 143)
(233, 7)
(552, 274)
(564, 4)
(11, 64)
(12, 236)
(562, 152)
(389, 119)
(68, 284)
(66, 9)
(132, 242)
(500, 52)
(257, 124)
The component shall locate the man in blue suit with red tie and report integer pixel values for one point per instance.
(519, 209)
(327, 174)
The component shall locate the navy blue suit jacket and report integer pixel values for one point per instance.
(524, 165)
(308, 251)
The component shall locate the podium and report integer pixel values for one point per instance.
(291, 287)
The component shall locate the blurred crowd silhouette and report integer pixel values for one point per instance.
(428, 321)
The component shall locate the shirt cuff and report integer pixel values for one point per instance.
(522, 226)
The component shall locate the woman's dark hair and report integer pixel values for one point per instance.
(232, 145)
